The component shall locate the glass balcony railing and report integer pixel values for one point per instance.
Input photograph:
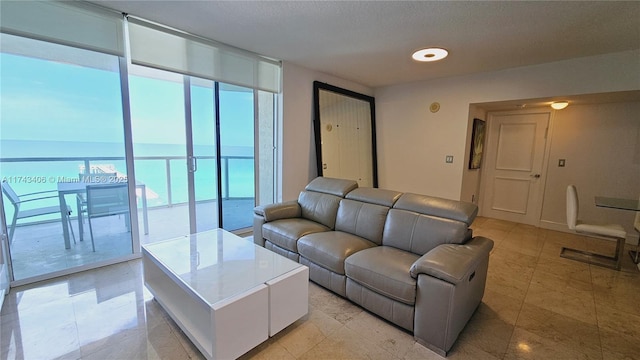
(165, 178)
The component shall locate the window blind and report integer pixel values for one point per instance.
(76, 24)
(167, 49)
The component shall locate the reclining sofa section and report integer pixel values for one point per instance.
(408, 258)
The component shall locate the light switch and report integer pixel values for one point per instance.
(449, 159)
(561, 162)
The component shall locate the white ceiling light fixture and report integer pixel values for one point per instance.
(430, 54)
(559, 105)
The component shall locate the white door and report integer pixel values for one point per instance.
(513, 181)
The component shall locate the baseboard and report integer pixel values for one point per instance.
(632, 239)
(551, 225)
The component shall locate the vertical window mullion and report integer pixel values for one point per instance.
(216, 101)
(190, 156)
(128, 151)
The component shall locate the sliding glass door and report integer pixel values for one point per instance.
(159, 149)
(237, 155)
(174, 151)
(192, 183)
(203, 166)
(62, 121)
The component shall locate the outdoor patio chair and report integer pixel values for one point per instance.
(17, 200)
(107, 200)
(81, 198)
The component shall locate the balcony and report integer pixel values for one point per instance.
(38, 246)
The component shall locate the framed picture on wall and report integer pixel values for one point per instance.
(477, 143)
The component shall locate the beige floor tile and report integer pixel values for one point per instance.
(613, 320)
(616, 346)
(389, 337)
(519, 242)
(579, 305)
(489, 334)
(508, 278)
(347, 344)
(621, 294)
(503, 254)
(563, 272)
(467, 351)
(498, 224)
(58, 341)
(499, 306)
(419, 352)
(565, 330)
(527, 345)
(536, 306)
(301, 338)
(335, 306)
(268, 350)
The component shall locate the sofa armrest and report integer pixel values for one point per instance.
(284, 210)
(453, 262)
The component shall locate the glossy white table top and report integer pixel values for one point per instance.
(217, 264)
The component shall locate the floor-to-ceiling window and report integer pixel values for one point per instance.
(117, 151)
(61, 120)
(216, 108)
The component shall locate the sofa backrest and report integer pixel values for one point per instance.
(363, 212)
(418, 223)
(374, 196)
(320, 199)
(337, 187)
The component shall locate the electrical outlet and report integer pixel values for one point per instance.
(449, 159)
(561, 162)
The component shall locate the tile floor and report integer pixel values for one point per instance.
(536, 306)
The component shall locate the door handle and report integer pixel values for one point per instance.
(193, 164)
(537, 176)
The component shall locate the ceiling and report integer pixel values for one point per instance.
(370, 42)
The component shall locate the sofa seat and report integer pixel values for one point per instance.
(286, 232)
(384, 270)
(330, 250)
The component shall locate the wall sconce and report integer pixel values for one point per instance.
(559, 105)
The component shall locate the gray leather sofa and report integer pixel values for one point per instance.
(408, 258)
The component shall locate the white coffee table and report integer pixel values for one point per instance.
(226, 293)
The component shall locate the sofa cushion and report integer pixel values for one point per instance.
(384, 270)
(319, 207)
(330, 249)
(362, 219)
(374, 196)
(439, 207)
(337, 187)
(286, 232)
(418, 233)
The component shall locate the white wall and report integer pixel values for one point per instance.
(601, 145)
(413, 142)
(298, 162)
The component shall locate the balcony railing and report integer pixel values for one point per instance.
(165, 177)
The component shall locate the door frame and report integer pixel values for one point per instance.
(5, 260)
(484, 176)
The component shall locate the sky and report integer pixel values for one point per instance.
(56, 101)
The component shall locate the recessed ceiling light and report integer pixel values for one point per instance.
(430, 54)
(559, 105)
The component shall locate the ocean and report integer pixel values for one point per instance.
(152, 163)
